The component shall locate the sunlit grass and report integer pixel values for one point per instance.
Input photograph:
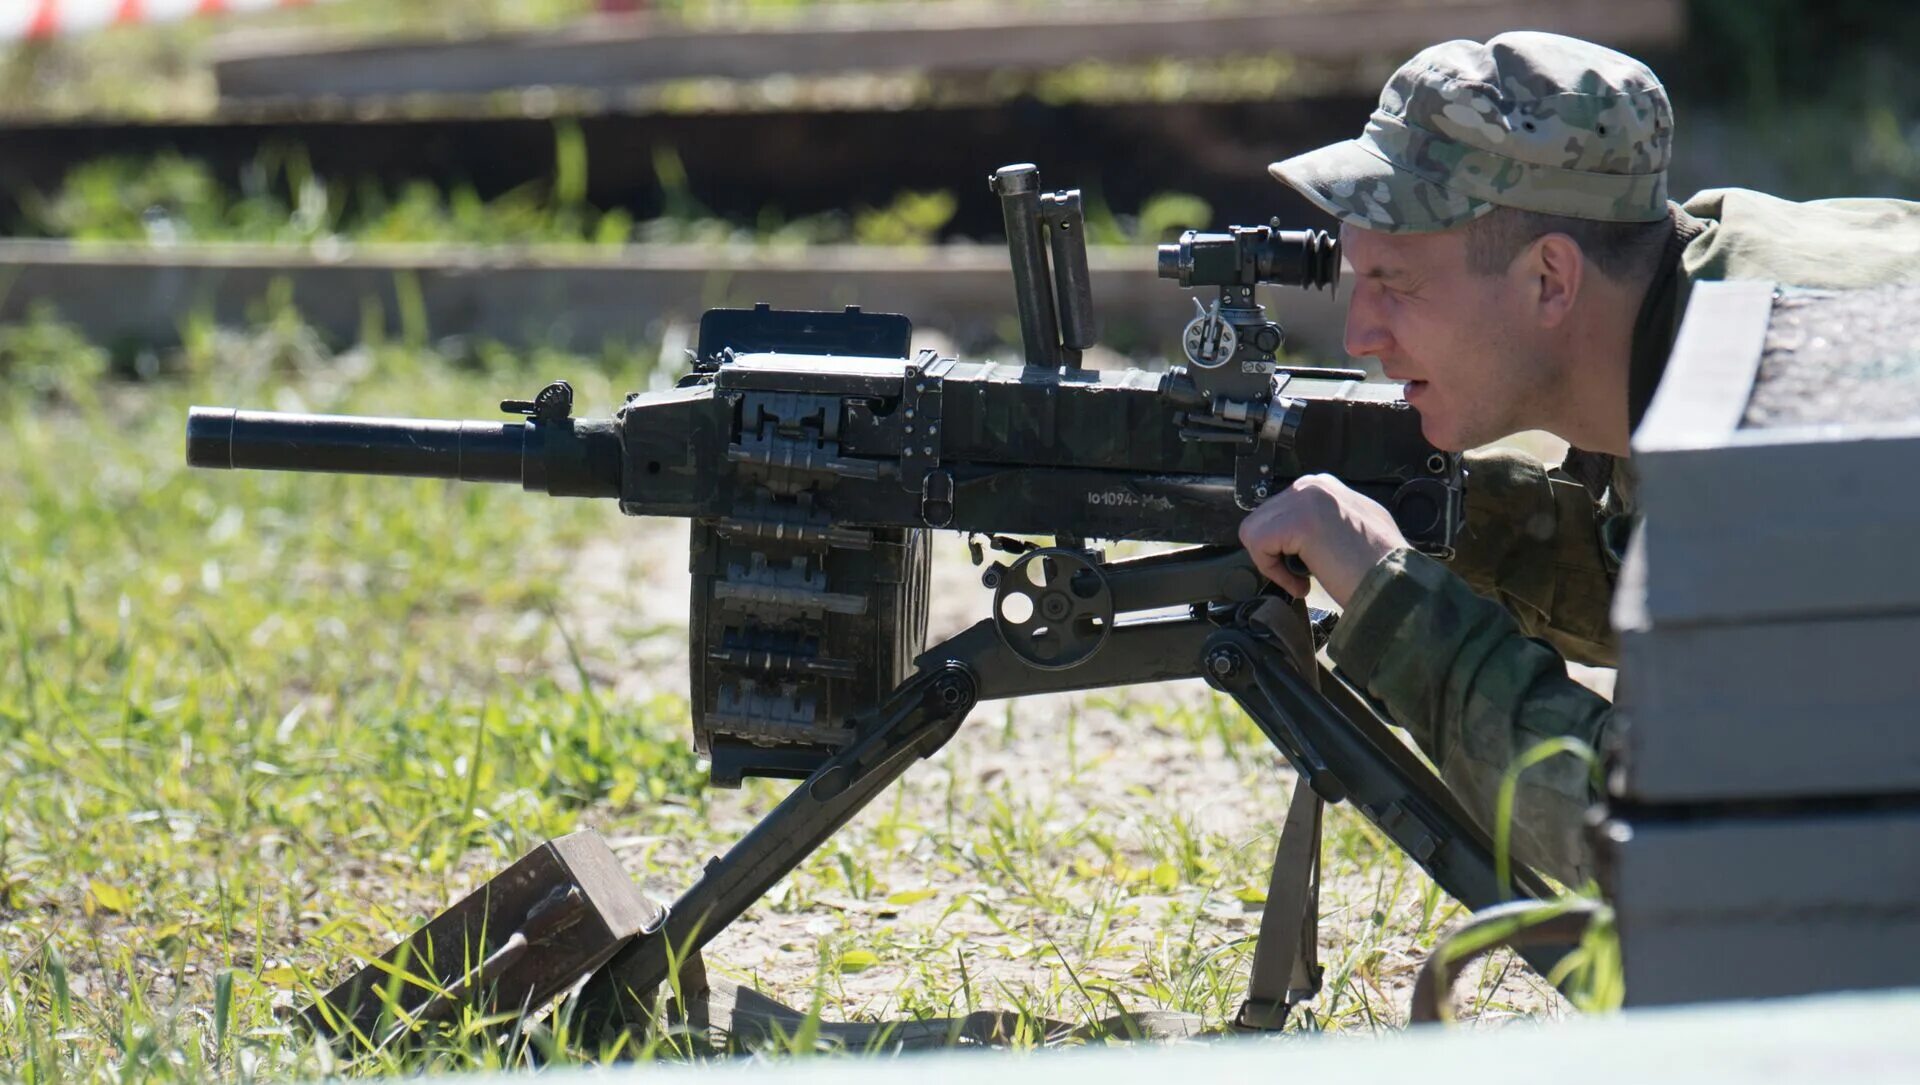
(231, 704)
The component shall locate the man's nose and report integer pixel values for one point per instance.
(1366, 334)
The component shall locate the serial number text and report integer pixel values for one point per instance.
(1127, 499)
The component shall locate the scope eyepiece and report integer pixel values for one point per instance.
(1249, 255)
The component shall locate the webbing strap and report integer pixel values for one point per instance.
(1286, 955)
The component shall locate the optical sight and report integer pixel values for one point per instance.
(1249, 255)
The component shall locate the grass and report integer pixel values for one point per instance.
(253, 726)
(222, 692)
(168, 199)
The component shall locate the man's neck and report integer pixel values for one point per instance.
(1592, 410)
(1614, 376)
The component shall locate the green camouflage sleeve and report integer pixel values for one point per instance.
(1532, 541)
(1454, 669)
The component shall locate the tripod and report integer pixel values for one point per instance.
(1066, 620)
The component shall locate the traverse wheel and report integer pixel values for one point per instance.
(1053, 608)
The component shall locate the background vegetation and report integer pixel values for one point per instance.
(1804, 99)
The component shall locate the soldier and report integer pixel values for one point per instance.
(1518, 264)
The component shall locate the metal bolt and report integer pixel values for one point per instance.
(1266, 468)
(990, 578)
(928, 450)
(931, 430)
(909, 412)
(1223, 662)
(1260, 492)
(909, 429)
(918, 387)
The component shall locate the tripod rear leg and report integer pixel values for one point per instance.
(1345, 759)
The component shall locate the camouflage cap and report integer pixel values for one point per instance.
(1535, 121)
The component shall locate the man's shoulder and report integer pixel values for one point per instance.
(1835, 244)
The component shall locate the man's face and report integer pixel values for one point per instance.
(1465, 343)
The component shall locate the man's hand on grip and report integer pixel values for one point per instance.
(1337, 533)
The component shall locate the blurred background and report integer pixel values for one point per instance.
(592, 173)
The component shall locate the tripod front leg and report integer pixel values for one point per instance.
(916, 720)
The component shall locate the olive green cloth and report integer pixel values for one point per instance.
(1470, 660)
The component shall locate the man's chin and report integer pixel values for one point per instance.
(1441, 436)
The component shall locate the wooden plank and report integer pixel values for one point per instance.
(1766, 711)
(1776, 531)
(949, 38)
(1710, 369)
(1770, 524)
(1772, 532)
(1761, 907)
(1852, 1040)
(1842, 1040)
(139, 296)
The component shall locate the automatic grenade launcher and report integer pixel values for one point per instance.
(814, 452)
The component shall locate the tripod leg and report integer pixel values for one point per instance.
(1343, 761)
(915, 721)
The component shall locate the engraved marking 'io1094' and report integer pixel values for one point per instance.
(1127, 499)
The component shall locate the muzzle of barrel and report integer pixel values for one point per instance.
(345, 444)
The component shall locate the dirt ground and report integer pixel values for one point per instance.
(965, 934)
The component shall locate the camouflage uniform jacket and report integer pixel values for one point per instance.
(1471, 659)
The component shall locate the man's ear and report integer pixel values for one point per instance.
(1555, 270)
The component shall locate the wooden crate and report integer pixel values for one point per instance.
(1770, 604)
(1765, 772)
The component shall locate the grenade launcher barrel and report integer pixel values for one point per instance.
(566, 458)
